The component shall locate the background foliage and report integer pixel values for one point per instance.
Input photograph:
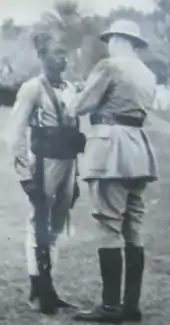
(18, 60)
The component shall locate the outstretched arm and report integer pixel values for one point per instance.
(88, 100)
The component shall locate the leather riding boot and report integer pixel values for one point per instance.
(134, 264)
(111, 270)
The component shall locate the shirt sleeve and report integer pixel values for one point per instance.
(17, 131)
(88, 100)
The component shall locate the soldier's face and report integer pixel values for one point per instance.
(55, 60)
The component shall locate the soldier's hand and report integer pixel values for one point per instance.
(34, 193)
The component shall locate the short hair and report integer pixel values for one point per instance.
(41, 42)
(42, 36)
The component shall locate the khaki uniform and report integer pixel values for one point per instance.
(59, 176)
(119, 160)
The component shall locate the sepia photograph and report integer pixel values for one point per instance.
(84, 162)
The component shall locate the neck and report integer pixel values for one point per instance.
(54, 81)
(122, 48)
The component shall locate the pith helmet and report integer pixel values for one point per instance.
(128, 29)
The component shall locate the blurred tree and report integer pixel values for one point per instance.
(9, 30)
(80, 34)
(164, 5)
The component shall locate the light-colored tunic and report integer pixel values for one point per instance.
(118, 86)
(59, 175)
(31, 95)
(119, 160)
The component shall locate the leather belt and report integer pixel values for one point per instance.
(119, 119)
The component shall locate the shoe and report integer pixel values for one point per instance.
(60, 303)
(132, 315)
(41, 299)
(100, 314)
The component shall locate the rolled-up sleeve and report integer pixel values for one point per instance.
(17, 131)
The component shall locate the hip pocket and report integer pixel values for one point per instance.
(97, 152)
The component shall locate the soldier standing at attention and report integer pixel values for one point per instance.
(54, 201)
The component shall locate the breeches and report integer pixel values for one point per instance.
(118, 206)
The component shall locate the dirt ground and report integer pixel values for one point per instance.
(77, 275)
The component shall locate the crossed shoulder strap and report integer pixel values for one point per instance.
(51, 94)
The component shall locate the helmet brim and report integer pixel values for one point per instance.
(138, 42)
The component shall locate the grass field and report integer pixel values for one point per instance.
(77, 275)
